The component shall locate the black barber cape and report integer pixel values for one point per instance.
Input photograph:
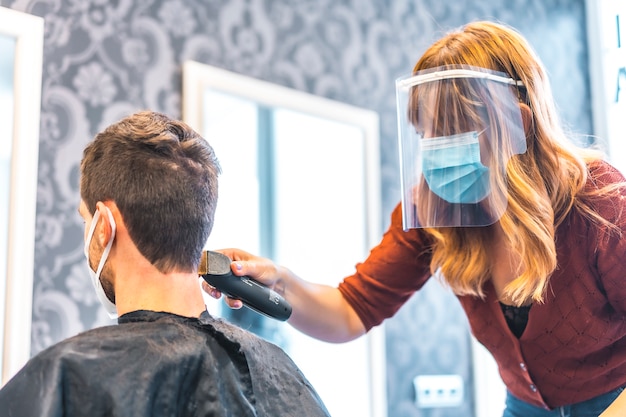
(159, 364)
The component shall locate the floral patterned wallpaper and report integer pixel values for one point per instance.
(106, 58)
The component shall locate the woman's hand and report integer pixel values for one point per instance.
(258, 268)
(317, 310)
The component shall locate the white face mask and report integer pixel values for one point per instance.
(95, 276)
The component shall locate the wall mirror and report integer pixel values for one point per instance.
(300, 184)
(21, 55)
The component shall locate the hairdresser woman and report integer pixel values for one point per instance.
(497, 203)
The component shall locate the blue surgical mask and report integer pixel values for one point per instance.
(95, 275)
(452, 168)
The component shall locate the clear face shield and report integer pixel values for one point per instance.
(458, 128)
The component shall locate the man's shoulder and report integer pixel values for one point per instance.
(162, 326)
(106, 363)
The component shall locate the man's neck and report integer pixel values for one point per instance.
(177, 293)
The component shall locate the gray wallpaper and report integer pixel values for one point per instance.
(104, 59)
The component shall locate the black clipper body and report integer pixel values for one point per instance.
(215, 269)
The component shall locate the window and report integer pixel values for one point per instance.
(606, 23)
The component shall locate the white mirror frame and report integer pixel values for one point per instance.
(197, 77)
(28, 31)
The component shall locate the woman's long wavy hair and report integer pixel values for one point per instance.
(544, 183)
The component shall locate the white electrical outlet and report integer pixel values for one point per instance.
(434, 391)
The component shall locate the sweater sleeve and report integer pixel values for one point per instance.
(610, 243)
(393, 271)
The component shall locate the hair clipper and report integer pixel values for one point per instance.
(215, 269)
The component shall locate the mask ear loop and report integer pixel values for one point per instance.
(94, 220)
(109, 306)
(482, 131)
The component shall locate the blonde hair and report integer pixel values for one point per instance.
(543, 184)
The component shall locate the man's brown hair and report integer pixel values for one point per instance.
(162, 175)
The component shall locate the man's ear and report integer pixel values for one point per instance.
(103, 233)
(527, 117)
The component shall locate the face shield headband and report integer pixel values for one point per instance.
(458, 128)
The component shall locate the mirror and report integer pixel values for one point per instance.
(300, 184)
(21, 55)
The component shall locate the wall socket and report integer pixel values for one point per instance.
(434, 391)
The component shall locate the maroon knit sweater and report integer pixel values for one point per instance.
(574, 345)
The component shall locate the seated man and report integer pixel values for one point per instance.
(148, 195)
